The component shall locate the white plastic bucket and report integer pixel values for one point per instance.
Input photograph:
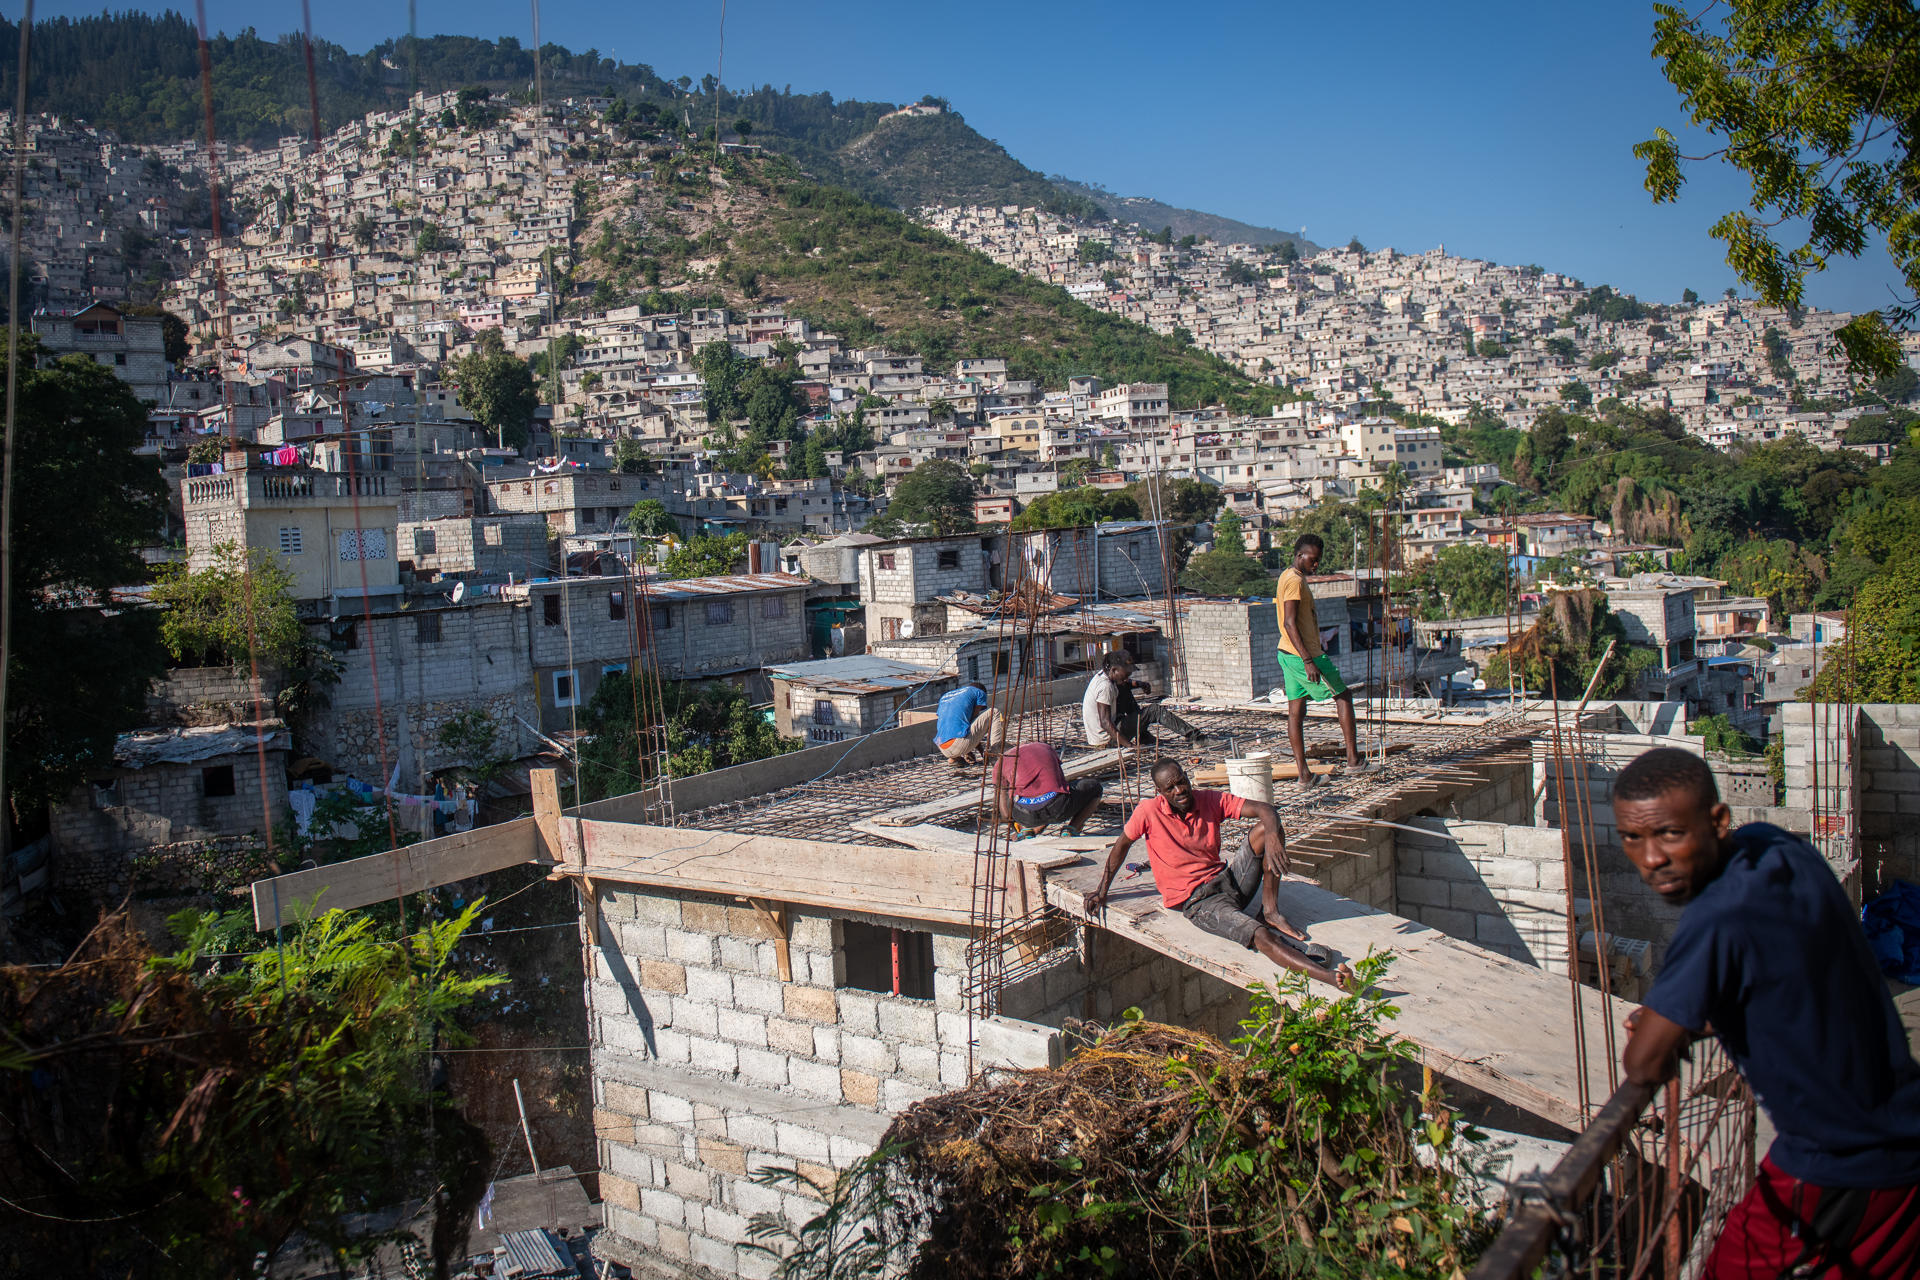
(1251, 776)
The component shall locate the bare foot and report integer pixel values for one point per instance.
(1344, 979)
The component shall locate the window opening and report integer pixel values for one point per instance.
(426, 628)
(896, 962)
(216, 781)
(550, 610)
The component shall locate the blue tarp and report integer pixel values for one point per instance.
(1892, 923)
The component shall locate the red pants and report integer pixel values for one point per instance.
(1788, 1228)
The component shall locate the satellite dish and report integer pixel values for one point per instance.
(459, 592)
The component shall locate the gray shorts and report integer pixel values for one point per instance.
(1219, 906)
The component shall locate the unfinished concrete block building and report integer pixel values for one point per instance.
(783, 955)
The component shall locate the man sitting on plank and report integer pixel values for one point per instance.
(1032, 791)
(1769, 957)
(1181, 826)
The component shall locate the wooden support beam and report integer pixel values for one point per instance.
(773, 915)
(590, 907)
(546, 811)
(378, 877)
(924, 885)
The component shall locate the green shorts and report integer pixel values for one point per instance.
(1316, 679)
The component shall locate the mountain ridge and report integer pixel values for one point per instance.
(1153, 215)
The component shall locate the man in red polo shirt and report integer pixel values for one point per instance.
(1181, 826)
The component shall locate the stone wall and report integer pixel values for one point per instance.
(479, 661)
(192, 696)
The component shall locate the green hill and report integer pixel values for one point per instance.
(871, 274)
(940, 159)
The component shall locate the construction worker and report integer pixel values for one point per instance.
(963, 720)
(1769, 957)
(1305, 670)
(1032, 791)
(1112, 716)
(1181, 826)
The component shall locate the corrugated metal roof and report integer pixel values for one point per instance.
(532, 1255)
(857, 673)
(729, 584)
(185, 746)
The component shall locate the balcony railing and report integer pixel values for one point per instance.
(272, 489)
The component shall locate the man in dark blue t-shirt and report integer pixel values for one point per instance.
(1769, 957)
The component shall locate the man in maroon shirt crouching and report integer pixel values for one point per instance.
(1181, 826)
(1032, 790)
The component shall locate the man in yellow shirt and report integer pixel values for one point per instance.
(1305, 669)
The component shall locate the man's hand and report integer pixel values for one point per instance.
(1095, 902)
(1654, 1048)
(1278, 864)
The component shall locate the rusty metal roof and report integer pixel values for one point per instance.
(857, 674)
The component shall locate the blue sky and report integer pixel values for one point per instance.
(1501, 130)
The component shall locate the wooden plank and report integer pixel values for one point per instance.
(1483, 1019)
(773, 917)
(380, 876)
(925, 885)
(1040, 851)
(546, 811)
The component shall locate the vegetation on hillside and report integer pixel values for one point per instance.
(874, 276)
(940, 159)
(197, 1110)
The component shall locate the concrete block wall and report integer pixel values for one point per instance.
(1130, 565)
(1888, 737)
(742, 1069)
(1501, 887)
(479, 662)
(1111, 974)
(1228, 649)
(210, 695)
(1631, 909)
(708, 1067)
(166, 803)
